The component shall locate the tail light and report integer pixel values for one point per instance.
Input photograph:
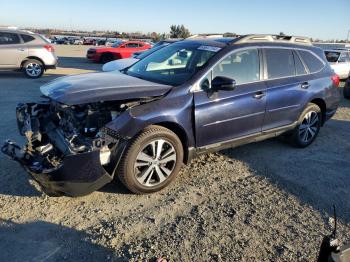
(335, 79)
(49, 48)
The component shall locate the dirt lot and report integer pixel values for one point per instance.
(266, 201)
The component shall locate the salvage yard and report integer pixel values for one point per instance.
(266, 201)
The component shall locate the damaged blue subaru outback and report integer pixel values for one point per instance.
(192, 97)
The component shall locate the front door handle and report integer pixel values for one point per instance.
(20, 49)
(305, 85)
(259, 95)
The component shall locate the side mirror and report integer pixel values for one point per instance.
(223, 83)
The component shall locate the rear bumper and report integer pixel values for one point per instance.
(77, 175)
(50, 66)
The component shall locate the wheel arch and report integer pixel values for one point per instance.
(181, 134)
(34, 58)
(322, 105)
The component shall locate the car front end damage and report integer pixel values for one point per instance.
(68, 149)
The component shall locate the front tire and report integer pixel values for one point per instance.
(33, 68)
(106, 57)
(151, 161)
(309, 125)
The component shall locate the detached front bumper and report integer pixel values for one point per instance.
(77, 175)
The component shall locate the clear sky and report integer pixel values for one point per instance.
(318, 19)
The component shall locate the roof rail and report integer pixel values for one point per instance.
(9, 27)
(274, 38)
(205, 36)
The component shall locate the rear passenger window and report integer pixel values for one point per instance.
(8, 38)
(27, 38)
(312, 62)
(132, 45)
(299, 67)
(242, 66)
(280, 63)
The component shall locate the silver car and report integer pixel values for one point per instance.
(26, 51)
(339, 60)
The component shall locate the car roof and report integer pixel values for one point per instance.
(135, 42)
(16, 31)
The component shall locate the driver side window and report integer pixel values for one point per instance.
(242, 66)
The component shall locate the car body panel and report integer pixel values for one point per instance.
(11, 56)
(235, 113)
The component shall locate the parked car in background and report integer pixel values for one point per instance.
(188, 98)
(62, 41)
(89, 41)
(339, 60)
(126, 62)
(25, 51)
(78, 41)
(119, 50)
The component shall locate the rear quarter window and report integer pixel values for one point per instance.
(27, 38)
(312, 62)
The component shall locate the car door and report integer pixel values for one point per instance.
(129, 49)
(12, 50)
(227, 115)
(285, 89)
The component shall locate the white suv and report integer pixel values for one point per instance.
(339, 60)
(26, 51)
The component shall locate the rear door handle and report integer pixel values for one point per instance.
(305, 85)
(20, 49)
(259, 95)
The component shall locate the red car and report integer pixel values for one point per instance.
(118, 50)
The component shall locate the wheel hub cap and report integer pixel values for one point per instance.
(155, 163)
(33, 69)
(309, 126)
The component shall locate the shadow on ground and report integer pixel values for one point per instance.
(318, 176)
(78, 63)
(43, 241)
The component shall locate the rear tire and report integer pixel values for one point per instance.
(33, 68)
(308, 127)
(151, 161)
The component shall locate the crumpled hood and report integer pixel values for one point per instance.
(103, 86)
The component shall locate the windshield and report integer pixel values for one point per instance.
(150, 51)
(173, 64)
(332, 57)
(117, 43)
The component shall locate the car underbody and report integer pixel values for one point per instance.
(68, 149)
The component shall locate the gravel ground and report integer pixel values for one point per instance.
(266, 201)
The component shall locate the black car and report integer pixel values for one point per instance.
(188, 98)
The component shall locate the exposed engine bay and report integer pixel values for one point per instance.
(54, 130)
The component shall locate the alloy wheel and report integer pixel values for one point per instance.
(309, 126)
(33, 69)
(155, 163)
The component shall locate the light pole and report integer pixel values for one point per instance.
(347, 38)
